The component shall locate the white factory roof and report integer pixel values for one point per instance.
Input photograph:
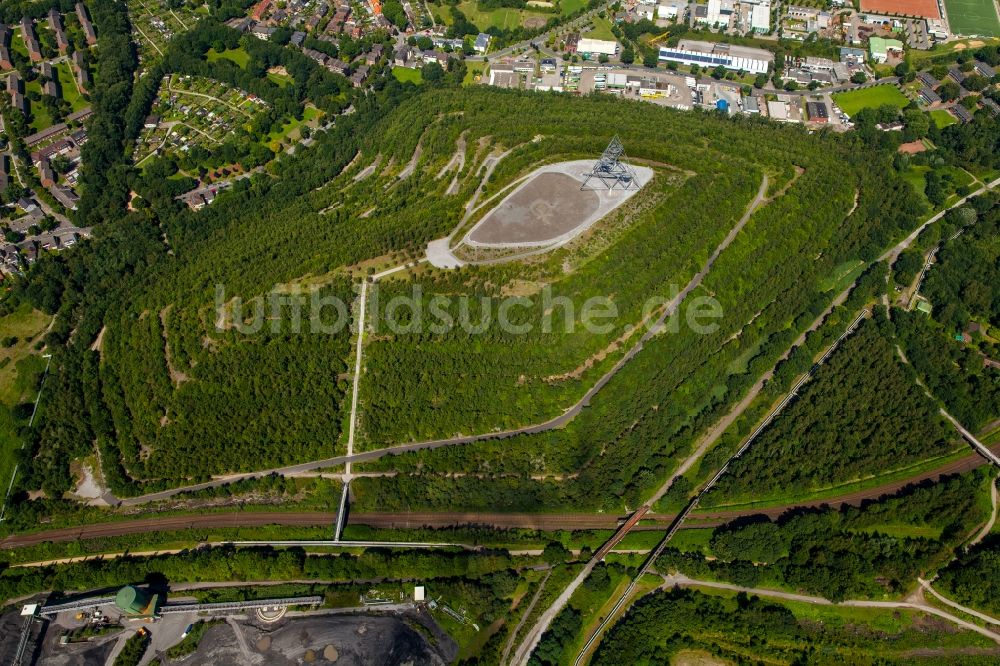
(714, 11)
(711, 54)
(588, 45)
(617, 79)
(732, 49)
(760, 18)
(668, 10)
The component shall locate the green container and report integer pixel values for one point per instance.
(132, 600)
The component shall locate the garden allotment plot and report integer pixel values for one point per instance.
(973, 17)
(154, 24)
(195, 111)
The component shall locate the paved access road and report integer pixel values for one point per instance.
(893, 253)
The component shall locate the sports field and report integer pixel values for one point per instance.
(870, 98)
(973, 17)
(924, 8)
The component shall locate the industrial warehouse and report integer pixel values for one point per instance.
(97, 629)
(711, 55)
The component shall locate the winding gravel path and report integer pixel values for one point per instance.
(684, 581)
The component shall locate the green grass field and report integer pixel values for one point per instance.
(40, 116)
(67, 85)
(594, 607)
(26, 325)
(973, 17)
(9, 444)
(404, 74)
(20, 367)
(942, 118)
(693, 540)
(501, 18)
(959, 178)
(905, 531)
(992, 438)
(916, 176)
(837, 490)
(567, 7)
(602, 30)
(870, 98)
(280, 79)
(17, 43)
(843, 275)
(472, 69)
(291, 126)
(238, 56)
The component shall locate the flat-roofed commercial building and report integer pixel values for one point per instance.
(818, 112)
(760, 18)
(588, 46)
(710, 56)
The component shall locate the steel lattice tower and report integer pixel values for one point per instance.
(611, 170)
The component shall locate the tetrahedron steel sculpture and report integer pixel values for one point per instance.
(611, 171)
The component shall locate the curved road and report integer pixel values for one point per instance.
(965, 609)
(890, 254)
(988, 527)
